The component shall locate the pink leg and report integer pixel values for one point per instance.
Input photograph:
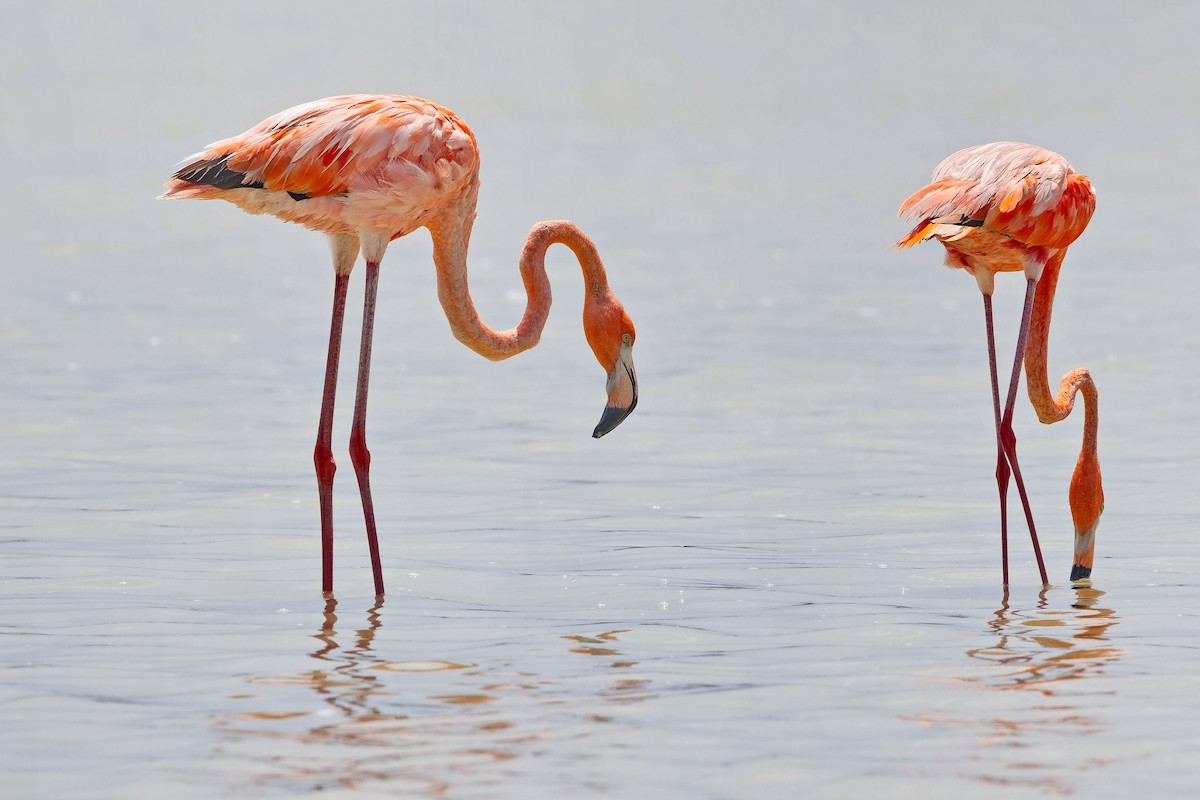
(359, 455)
(1008, 439)
(323, 453)
(1002, 470)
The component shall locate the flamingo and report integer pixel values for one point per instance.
(1011, 207)
(367, 169)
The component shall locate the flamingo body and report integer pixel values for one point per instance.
(1001, 207)
(1013, 207)
(367, 169)
(340, 165)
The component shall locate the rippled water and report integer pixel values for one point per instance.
(778, 578)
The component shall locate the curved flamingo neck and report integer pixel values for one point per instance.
(1053, 408)
(451, 236)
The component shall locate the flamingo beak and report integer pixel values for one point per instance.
(1085, 547)
(622, 393)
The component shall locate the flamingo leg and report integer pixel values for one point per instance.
(1008, 439)
(359, 455)
(1002, 469)
(323, 452)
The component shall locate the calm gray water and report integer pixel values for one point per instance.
(779, 577)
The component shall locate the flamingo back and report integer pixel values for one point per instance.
(379, 162)
(1020, 191)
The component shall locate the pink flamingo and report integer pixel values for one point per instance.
(367, 169)
(1010, 207)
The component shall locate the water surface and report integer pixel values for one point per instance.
(778, 578)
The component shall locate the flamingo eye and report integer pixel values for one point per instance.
(626, 339)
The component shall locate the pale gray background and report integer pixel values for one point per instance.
(795, 534)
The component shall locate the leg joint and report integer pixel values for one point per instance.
(323, 461)
(360, 456)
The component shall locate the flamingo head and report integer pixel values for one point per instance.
(610, 333)
(1087, 502)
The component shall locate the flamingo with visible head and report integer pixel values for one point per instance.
(367, 169)
(1010, 207)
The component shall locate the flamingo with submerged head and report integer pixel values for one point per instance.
(1011, 207)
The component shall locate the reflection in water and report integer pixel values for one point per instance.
(1042, 649)
(1044, 658)
(345, 686)
(621, 690)
(391, 723)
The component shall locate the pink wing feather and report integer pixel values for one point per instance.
(378, 161)
(1018, 190)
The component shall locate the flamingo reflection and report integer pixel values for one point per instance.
(346, 685)
(393, 723)
(1054, 659)
(1042, 650)
(622, 689)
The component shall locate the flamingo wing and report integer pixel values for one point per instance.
(334, 146)
(1018, 190)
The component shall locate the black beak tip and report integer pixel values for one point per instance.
(1080, 572)
(611, 418)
